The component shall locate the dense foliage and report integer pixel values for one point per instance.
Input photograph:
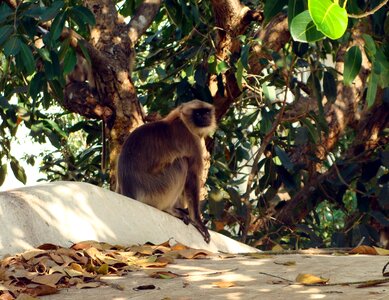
(282, 140)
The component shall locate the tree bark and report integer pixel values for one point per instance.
(112, 54)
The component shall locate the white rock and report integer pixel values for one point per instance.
(63, 213)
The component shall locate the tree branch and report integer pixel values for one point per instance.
(366, 141)
(142, 19)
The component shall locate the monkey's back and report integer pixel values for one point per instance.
(154, 162)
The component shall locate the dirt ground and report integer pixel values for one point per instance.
(244, 277)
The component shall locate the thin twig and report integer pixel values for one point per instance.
(368, 13)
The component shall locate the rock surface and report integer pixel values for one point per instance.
(63, 213)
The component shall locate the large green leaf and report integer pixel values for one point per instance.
(329, 17)
(303, 29)
(5, 12)
(52, 11)
(18, 171)
(295, 7)
(12, 46)
(27, 58)
(272, 8)
(58, 25)
(69, 61)
(3, 173)
(329, 86)
(85, 14)
(352, 64)
(5, 32)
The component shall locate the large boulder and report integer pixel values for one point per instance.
(63, 213)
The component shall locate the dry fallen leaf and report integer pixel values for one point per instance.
(363, 249)
(381, 251)
(41, 290)
(50, 280)
(310, 279)
(286, 263)
(164, 275)
(44, 270)
(223, 284)
(178, 247)
(144, 287)
(32, 253)
(88, 285)
(277, 248)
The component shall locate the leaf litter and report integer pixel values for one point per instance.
(49, 268)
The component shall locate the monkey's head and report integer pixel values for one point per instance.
(199, 117)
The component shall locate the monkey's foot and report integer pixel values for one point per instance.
(203, 231)
(183, 214)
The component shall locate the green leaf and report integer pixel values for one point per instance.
(329, 17)
(272, 8)
(5, 12)
(58, 25)
(285, 160)
(27, 58)
(239, 73)
(69, 61)
(329, 86)
(52, 11)
(5, 32)
(352, 64)
(311, 129)
(45, 54)
(295, 7)
(55, 127)
(18, 171)
(244, 56)
(84, 14)
(36, 85)
(221, 67)
(370, 46)
(3, 173)
(303, 29)
(372, 87)
(12, 46)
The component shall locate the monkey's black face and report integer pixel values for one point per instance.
(202, 117)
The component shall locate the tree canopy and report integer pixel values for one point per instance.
(300, 87)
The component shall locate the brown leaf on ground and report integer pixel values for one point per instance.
(381, 251)
(144, 287)
(286, 263)
(41, 290)
(223, 284)
(48, 247)
(50, 280)
(310, 279)
(165, 275)
(44, 270)
(179, 247)
(363, 249)
(32, 253)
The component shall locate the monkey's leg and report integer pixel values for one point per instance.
(192, 192)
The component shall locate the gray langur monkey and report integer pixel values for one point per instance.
(161, 162)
